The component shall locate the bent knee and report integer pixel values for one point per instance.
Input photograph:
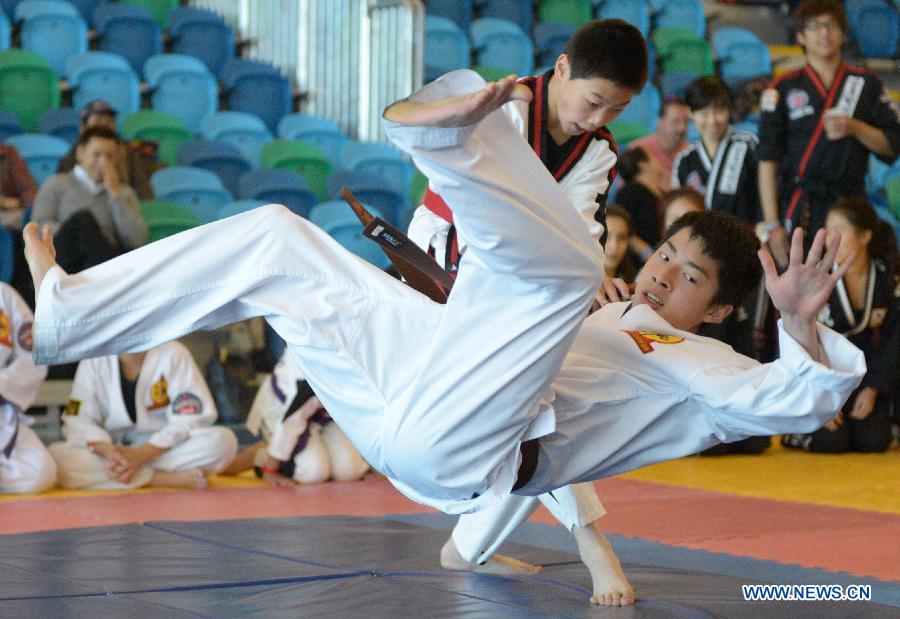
(217, 445)
(312, 470)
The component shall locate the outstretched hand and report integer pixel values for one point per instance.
(803, 289)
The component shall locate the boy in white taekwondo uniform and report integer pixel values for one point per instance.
(141, 419)
(457, 429)
(301, 443)
(603, 66)
(25, 464)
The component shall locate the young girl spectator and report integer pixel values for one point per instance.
(640, 197)
(617, 259)
(865, 307)
(677, 202)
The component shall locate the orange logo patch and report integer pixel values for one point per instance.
(159, 394)
(645, 339)
(5, 335)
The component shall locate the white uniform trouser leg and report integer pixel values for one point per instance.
(29, 468)
(209, 449)
(445, 427)
(478, 536)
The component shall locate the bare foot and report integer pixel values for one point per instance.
(459, 111)
(611, 588)
(191, 478)
(497, 564)
(244, 460)
(39, 252)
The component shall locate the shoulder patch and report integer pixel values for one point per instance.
(73, 407)
(5, 335)
(187, 403)
(645, 339)
(25, 336)
(159, 394)
(769, 100)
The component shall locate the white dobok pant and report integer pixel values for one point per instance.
(209, 449)
(29, 467)
(328, 454)
(437, 397)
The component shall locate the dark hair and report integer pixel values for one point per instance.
(611, 49)
(614, 210)
(668, 101)
(810, 9)
(732, 245)
(707, 91)
(629, 163)
(104, 133)
(862, 216)
(688, 193)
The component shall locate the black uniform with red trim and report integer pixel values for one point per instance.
(584, 166)
(814, 171)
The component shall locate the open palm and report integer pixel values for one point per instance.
(803, 289)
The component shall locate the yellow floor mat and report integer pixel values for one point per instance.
(858, 481)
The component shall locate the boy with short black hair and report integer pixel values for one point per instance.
(818, 126)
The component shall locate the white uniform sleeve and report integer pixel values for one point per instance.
(582, 189)
(192, 403)
(20, 378)
(792, 394)
(83, 417)
(285, 436)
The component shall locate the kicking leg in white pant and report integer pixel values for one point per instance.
(446, 428)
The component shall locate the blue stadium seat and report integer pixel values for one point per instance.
(382, 159)
(183, 86)
(202, 34)
(318, 130)
(9, 125)
(460, 11)
(876, 175)
(254, 87)
(446, 47)
(40, 152)
(550, 40)
(644, 108)
(246, 131)
(686, 14)
(5, 32)
(876, 29)
(502, 44)
(221, 158)
(199, 190)
(87, 7)
(63, 122)
(519, 12)
(129, 31)
(239, 206)
(7, 255)
(278, 187)
(102, 75)
(9, 7)
(53, 29)
(635, 12)
(338, 220)
(741, 55)
(369, 189)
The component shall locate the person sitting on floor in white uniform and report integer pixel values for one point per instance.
(141, 419)
(603, 65)
(25, 464)
(497, 403)
(300, 442)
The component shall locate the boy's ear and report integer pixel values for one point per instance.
(717, 312)
(562, 68)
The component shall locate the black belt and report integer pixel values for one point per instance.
(529, 450)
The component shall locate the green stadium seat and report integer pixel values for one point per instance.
(166, 130)
(166, 218)
(28, 86)
(305, 159)
(159, 9)
(574, 12)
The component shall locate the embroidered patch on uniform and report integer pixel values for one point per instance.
(878, 316)
(769, 100)
(645, 339)
(159, 394)
(187, 404)
(25, 336)
(73, 407)
(5, 336)
(797, 98)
